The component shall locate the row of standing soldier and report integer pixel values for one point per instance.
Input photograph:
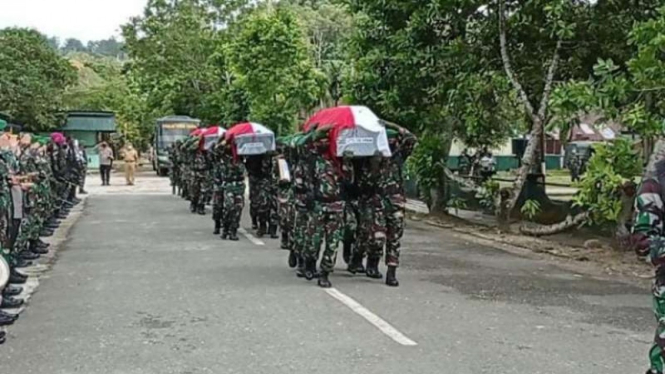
(39, 177)
(324, 200)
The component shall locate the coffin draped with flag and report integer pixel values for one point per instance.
(211, 136)
(354, 129)
(251, 139)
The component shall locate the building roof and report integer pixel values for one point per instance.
(90, 121)
(179, 119)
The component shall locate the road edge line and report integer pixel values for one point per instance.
(378, 322)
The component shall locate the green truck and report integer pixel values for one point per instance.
(168, 130)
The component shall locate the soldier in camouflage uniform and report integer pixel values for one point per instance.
(265, 197)
(253, 166)
(174, 151)
(234, 192)
(391, 189)
(371, 232)
(327, 213)
(198, 183)
(285, 202)
(303, 202)
(217, 187)
(649, 239)
(185, 157)
(6, 252)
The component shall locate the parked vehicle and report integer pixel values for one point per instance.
(169, 130)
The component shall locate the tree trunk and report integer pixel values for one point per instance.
(543, 230)
(463, 182)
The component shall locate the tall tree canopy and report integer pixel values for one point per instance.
(268, 53)
(33, 78)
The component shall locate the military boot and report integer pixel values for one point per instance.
(3, 337)
(293, 259)
(10, 303)
(346, 251)
(192, 207)
(262, 230)
(310, 268)
(27, 255)
(17, 278)
(373, 268)
(37, 249)
(272, 230)
(285, 241)
(391, 277)
(12, 291)
(300, 271)
(233, 236)
(324, 282)
(255, 224)
(356, 265)
(218, 225)
(21, 263)
(6, 319)
(201, 210)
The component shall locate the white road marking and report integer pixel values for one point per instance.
(251, 237)
(372, 318)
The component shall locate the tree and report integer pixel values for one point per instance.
(33, 78)
(327, 26)
(73, 45)
(106, 47)
(631, 92)
(268, 54)
(178, 58)
(426, 66)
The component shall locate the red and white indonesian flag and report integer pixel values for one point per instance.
(211, 136)
(354, 128)
(251, 138)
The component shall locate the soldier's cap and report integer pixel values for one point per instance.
(392, 133)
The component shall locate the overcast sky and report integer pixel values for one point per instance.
(82, 19)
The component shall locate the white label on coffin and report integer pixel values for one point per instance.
(253, 148)
(359, 141)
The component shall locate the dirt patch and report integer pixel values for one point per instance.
(599, 260)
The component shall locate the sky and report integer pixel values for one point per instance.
(81, 19)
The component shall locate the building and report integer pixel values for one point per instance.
(90, 128)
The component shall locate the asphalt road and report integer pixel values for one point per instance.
(142, 286)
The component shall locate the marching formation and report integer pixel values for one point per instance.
(39, 177)
(338, 181)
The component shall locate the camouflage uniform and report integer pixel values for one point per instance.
(328, 209)
(391, 189)
(266, 197)
(302, 198)
(198, 184)
(5, 206)
(285, 206)
(253, 164)
(234, 194)
(217, 190)
(30, 224)
(175, 167)
(649, 236)
(186, 170)
(371, 233)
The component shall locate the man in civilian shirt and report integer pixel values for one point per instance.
(105, 163)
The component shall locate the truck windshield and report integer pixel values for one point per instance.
(170, 133)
